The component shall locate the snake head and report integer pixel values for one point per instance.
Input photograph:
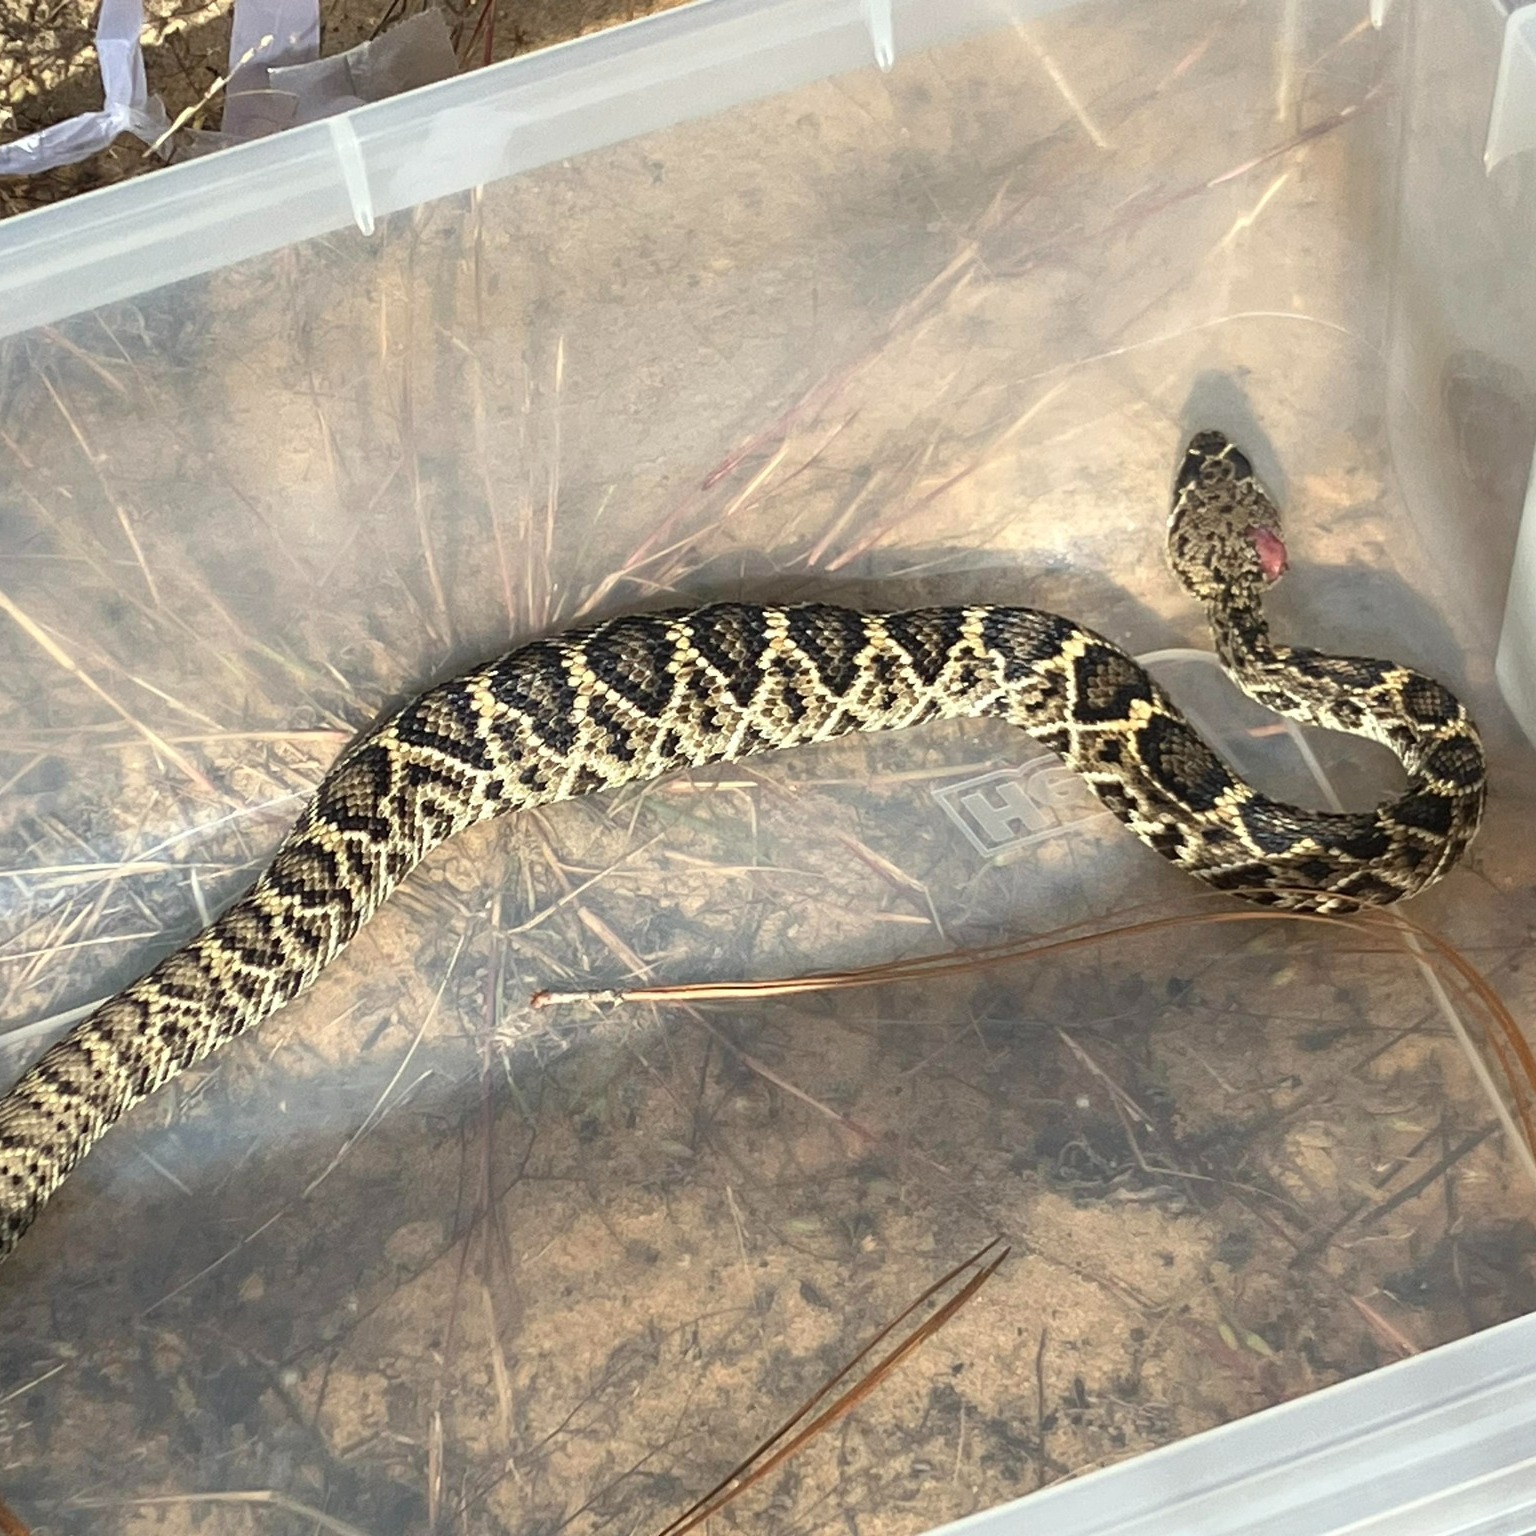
(1224, 530)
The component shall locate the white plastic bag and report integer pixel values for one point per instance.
(127, 105)
(276, 79)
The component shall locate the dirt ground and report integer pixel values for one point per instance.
(48, 68)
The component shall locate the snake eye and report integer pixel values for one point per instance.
(1241, 466)
(1207, 450)
(1189, 470)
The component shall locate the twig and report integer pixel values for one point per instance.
(1441, 1166)
(1040, 1430)
(1392, 1337)
(729, 1488)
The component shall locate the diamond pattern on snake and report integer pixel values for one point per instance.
(638, 697)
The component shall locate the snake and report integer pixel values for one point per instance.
(639, 696)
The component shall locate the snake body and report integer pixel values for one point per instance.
(638, 697)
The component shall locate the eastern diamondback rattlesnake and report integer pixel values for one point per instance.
(637, 697)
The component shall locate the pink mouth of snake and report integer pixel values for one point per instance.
(1271, 551)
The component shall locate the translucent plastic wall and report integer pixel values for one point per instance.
(711, 307)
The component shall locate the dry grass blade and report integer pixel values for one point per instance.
(1393, 1338)
(783, 1084)
(267, 1496)
(753, 1468)
(9, 1524)
(62, 659)
(187, 114)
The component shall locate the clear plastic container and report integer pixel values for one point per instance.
(715, 305)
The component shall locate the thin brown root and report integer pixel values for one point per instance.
(1391, 1337)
